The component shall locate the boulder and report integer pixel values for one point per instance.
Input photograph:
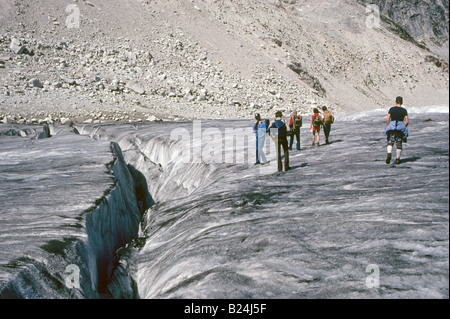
(45, 133)
(17, 47)
(136, 87)
(68, 80)
(66, 121)
(35, 83)
(8, 120)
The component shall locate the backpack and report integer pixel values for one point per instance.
(298, 122)
(317, 121)
(328, 117)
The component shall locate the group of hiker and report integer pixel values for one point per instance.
(281, 131)
(396, 132)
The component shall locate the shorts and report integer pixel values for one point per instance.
(395, 137)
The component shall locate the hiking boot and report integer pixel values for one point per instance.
(388, 159)
(258, 163)
(397, 161)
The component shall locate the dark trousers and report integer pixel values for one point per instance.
(282, 142)
(297, 136)
(326, 131)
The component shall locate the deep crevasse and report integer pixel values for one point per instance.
(159, 175)
(112, 222)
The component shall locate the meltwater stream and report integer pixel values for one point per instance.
(216, 226)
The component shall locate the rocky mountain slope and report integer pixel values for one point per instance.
(102, 60)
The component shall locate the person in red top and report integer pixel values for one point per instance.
(316, 123)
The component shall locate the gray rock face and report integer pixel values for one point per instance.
(426, 22)
(307, 78)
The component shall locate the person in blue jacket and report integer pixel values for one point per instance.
(397, 129)
(279, 128)
(260, 128)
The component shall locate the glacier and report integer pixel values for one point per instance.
(186, 214)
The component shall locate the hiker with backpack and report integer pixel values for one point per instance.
(328, 119)
(260, 128)
(278, 130)
(316, 123)
(397, 129)
(295, 123)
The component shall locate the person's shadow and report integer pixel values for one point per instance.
(410, 159)
(332, 142)
(299, 166)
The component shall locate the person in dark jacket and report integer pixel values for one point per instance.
(397, 130)
(279, 129)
